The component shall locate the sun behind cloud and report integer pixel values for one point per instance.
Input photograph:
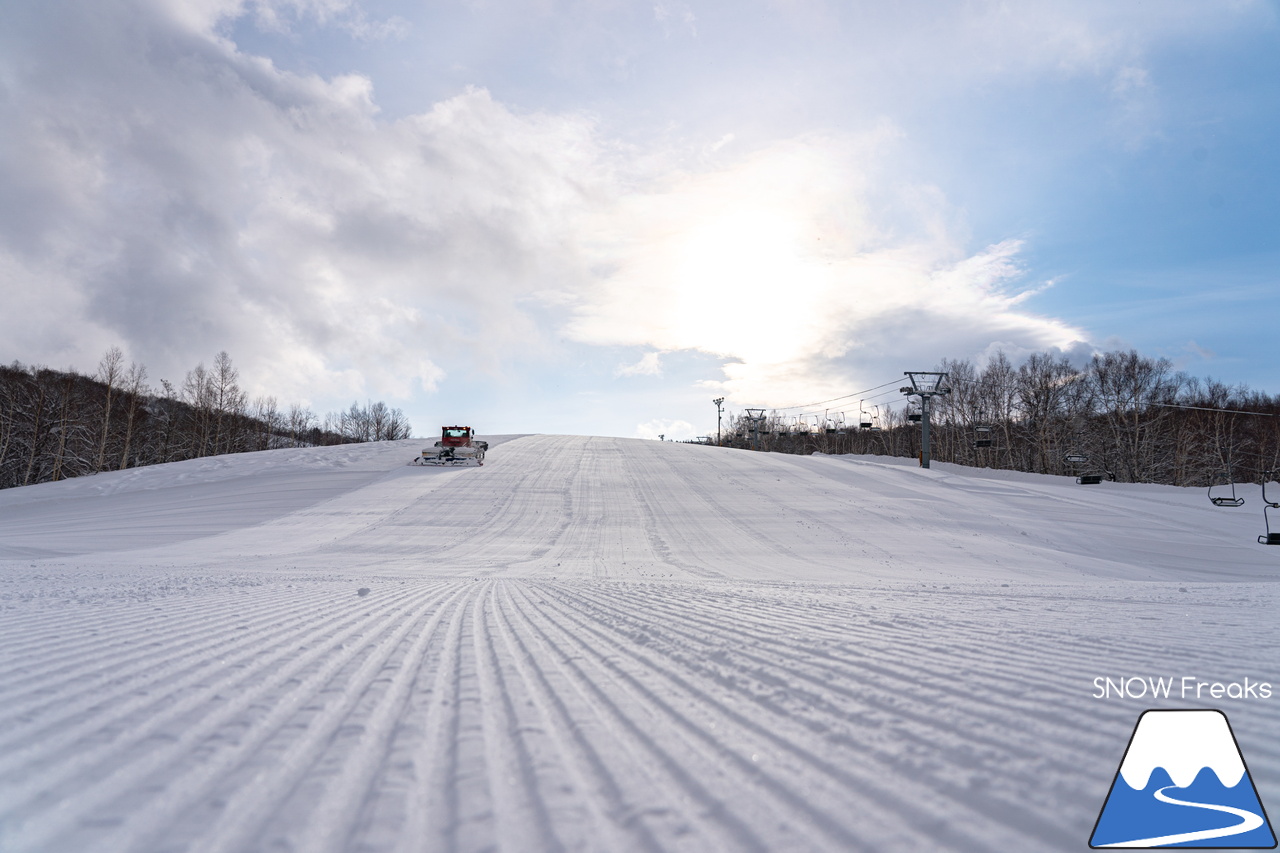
(800, 267)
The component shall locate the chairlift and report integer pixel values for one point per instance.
(865, 421)
(1076, 458)
(1221, 499)
(876, 428)
(982, 436)
(1271, 537)
(1091, 479)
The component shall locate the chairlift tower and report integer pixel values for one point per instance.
(926, 385)
(719, 401)
(755, 419)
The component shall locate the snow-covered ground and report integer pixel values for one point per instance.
(604, 644)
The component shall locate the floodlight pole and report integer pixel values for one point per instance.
(719, 401)
(925, 388)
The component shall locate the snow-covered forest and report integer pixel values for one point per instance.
(1130, 418)
(56, 424)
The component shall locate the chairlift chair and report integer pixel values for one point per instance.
(1222, 499)
(1271, 537)
(982, 436)
(1076, 459)
(1089, 479)
(864, 421)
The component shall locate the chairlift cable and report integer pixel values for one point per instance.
(833, 399)
(850, 410)
(1208, 409)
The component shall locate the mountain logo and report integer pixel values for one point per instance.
(1183, 783)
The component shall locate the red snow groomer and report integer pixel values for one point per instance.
(457, 446)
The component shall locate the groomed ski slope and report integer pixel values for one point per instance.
(603, 644)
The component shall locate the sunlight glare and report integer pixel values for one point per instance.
(744, 286)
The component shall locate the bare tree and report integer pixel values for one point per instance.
(135, 387)
(1045, 403)
(36, 436)
(1127, 387)
(396, 427)
(267, 415)
(197, 392)
(227, 401)
(301, 421)
(110, 372)
(58, 424)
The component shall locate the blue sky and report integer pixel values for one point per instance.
(594, 217)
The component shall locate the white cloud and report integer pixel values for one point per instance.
(1136, 118)
(666, 13)
(1200, 352)
(180, 197)
(283, 16)
(650, 364)
(914, 59)
(719, 143)
(188, 198)
(670, 430)
(166, 191)
(806, 269)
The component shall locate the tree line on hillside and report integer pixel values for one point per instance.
(56, 424)
(1124, 416)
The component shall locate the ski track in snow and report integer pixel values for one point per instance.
(599, 644)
